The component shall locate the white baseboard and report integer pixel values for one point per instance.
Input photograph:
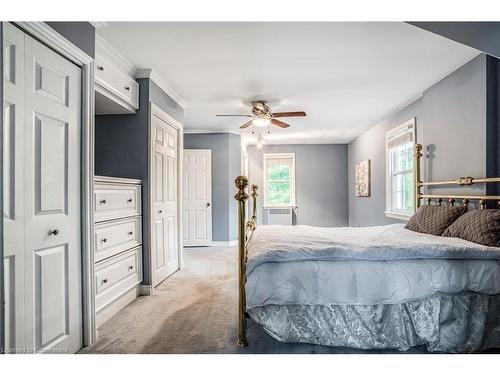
(146, 290)
(224, 243)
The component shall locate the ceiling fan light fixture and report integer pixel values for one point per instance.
(261, 122)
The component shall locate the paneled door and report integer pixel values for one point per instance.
(197, 198)
(164, 243)
(13, 175)
(49, 244)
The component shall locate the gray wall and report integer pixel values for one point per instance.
(483, 36)
(493, 122)
(121, 149)
(226, 166)
(321, 182)
(451, 125)
(165, 102)
(81, 34)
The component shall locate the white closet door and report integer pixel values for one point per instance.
(197, 196)
(53, 290)
(13, 79)
(164, 199)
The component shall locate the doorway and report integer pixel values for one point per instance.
(197, 198)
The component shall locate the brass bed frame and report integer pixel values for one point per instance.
(246, 227)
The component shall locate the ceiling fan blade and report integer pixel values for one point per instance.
(233, 115)
(246, 125)
(289, 114)
(279, 123)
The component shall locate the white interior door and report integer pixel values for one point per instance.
(165, 251)
(49, 243)
(13, 175)
(197, 198)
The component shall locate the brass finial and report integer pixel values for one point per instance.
(254, 188)
(482, 204)
(241, 183)
(418, 149)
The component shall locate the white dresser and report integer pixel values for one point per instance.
(118, 240)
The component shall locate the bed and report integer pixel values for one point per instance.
(382, 287)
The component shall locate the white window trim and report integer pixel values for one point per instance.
(389, 212)
(292, 179)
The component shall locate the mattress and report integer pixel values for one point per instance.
(304, 265)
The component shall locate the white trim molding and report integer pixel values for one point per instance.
(149, 73)
(395, 215)
(406, 127)
(98, 24)
(146, 290)
(293, 198)
(51, 38)
(224, 243)
(212, 131)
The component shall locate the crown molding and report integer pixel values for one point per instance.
(109, 53)
(56, 41)
(212, 131)
(98, 24)
(151, 74)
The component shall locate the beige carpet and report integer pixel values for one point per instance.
(194, 311)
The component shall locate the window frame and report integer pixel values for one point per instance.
(268, 156)
(407, 126)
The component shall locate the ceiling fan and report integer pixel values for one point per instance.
(262, 116)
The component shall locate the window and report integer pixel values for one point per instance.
(279, 180)
(400, 177)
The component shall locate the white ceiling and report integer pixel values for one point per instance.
(347, 76)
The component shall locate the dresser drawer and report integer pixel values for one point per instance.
(117, 83)
(113, 201)
(116, 236)
(116, 275)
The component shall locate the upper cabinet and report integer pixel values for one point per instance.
(116, 91)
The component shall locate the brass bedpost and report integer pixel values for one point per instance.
(241, 196)
(417, 154)
(254, 195)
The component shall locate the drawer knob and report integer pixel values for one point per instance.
(104, 281)
(103, 201)
(127, 88)
(130, 268)
(100, 67)
(130, 233)
(54, 232)
(129, 200)
(104, 240)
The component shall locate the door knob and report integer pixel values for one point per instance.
(208, 204)
(54, 232)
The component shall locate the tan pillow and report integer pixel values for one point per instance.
(479, 226)
(434, 219)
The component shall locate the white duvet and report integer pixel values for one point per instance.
(385, 264)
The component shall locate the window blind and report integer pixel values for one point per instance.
(402, 138)
(278, 161)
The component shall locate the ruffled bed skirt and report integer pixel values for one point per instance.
(443, 323)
